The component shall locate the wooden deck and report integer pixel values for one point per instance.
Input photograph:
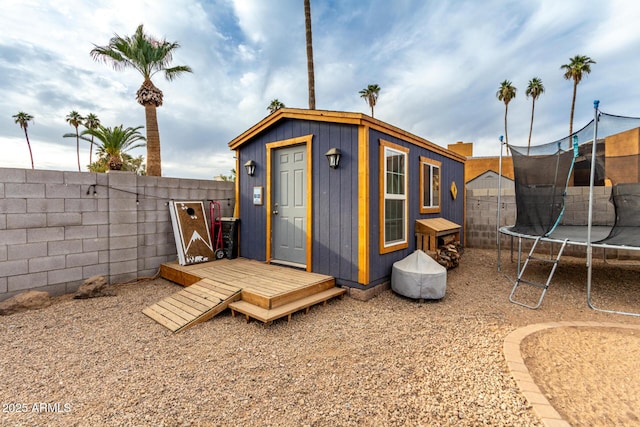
(260, 291)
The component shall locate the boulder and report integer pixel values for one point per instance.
(30, 300)
(93, 287)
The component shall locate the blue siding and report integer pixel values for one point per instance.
(335, 197)
(335, 209)
(453, 210)
(334, 201)
(252, 218)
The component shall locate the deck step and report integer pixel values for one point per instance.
(192, 305)
(269, 315)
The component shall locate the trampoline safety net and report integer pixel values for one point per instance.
(542, 174)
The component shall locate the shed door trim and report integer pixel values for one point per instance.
(302, 140)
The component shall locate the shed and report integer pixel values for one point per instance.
(489, 180)
(352, 221)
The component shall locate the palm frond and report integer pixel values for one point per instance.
(80, 136)
(173, 72)
(23, 119)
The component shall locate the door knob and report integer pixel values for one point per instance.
(275, 211)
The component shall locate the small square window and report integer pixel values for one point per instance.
(430, 186)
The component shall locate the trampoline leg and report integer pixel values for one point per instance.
(519, 254)
(592, 306)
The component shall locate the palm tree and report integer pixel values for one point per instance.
(370, 95)
(148, 56)
(129, 164)
(506, 93)
(228, 178)
(577, 67)
(134, 164)
(113, 145)
(75, 119)
(534, 90)
(91, 122)
(310, 73)
(275, 106)
(23, 120)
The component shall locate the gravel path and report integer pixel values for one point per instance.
(389, 361)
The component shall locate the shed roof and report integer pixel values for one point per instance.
(488, 173)
(358, 119)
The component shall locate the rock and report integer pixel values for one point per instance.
(30, 300)
(93, 287)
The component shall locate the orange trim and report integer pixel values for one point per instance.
(341, 117)
(423, 209)
(363, 205)
(391, 248)
(307, 139)
(309, 204)
(464, 214)
(236, 206)
(268, 209)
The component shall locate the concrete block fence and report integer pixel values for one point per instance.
(482, 209)
(59, 228)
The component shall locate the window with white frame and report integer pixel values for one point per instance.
(393, 196)
(429, 185)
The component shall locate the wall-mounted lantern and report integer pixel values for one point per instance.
(250, 166)
(333, 156)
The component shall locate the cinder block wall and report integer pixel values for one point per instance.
(577, 206)
(59, 228)
(481, 218)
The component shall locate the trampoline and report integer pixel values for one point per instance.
(604, 154)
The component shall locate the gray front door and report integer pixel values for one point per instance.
(289, 208)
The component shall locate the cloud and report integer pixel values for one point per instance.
(439, 65)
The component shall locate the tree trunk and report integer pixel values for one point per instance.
(150, 97)
(573, 105)
(312, 83)
(533, 107)
(115, 163)
(78, 148)
(154, 167)
(26, 135)
(91, 150)
(506, 135)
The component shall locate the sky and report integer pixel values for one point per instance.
(438, 63)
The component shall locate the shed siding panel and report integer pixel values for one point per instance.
(334, 202)
(335, 192)
(335, 197)
(451, 171)
(337, 205)
(252, 217)
(349, 199)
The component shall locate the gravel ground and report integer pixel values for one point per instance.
(389, 361)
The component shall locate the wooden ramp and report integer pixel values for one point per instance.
(196, 303)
